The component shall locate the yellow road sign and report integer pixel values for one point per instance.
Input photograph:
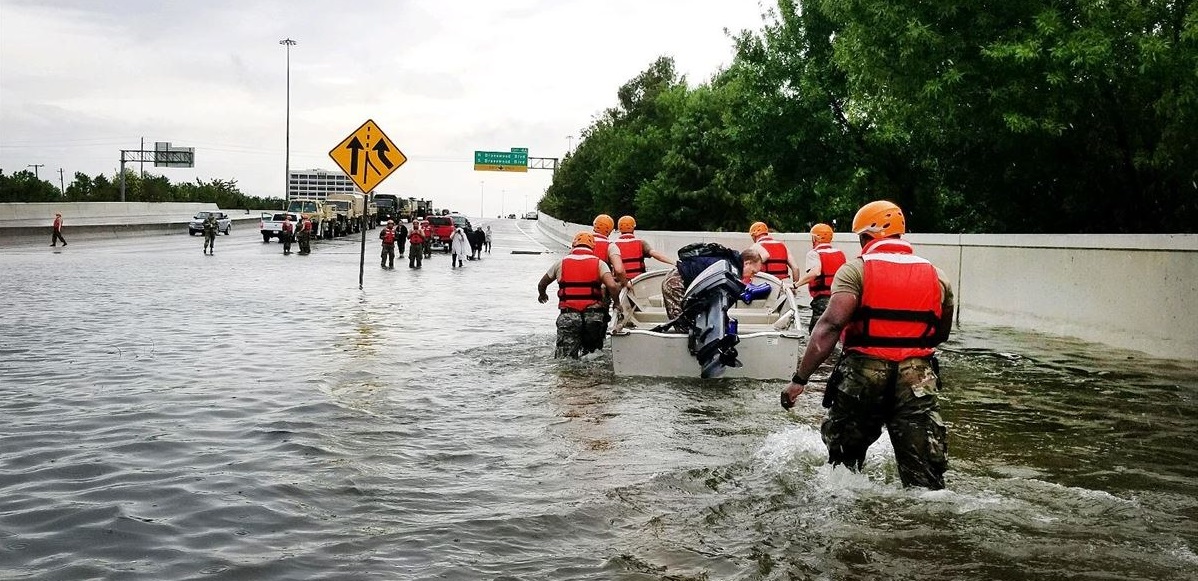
(493, 167)
(367, 156)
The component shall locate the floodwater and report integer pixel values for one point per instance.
(249, 415)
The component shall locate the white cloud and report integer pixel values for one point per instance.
(81, 80)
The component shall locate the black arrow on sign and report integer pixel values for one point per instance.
(381, 149)
(353, 147)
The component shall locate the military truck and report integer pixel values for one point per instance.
(320, 213)
(388, 207)
(348, 209)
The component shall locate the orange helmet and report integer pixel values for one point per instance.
(604, 224)
(879, 219)
(758, 229)
(627, 224)
(821, 233)
(584, 239)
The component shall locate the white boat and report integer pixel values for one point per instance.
(770, 338)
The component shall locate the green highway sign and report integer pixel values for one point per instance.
(514, 160)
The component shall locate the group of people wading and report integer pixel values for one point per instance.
(463, 245)
(887, 309)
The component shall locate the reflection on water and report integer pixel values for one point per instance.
(248, 415)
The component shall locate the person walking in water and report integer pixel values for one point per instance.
(459, 246)
(210, 234)
(56, 235)
(415, 245)
(778, 260)
(305, 236)
(822, 262)
(633, 250)
(288, 232)
(487, 241)
(893, 309)
(389, 236)
(581, 278)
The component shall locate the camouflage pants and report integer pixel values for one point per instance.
(870, 394)
(580, 333)
(388, 256)
(210, 240)
(818, 306)
(672, 291)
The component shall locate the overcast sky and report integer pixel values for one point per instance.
(81, 80)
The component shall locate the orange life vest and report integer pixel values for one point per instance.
(900, 306)
(415, 237)
(830, 260)
(388, 236)
(288, 227)
(579, 286)
(632, 250)
(777, 263)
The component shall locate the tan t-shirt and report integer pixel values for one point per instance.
(850, 279)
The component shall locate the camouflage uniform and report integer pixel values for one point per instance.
(580, 333)
(818, 306)
(673, 288)
(866, 394)
(210, 234)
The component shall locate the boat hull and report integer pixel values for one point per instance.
(764, 355)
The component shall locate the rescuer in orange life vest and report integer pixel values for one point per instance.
(604, 249)
(822, 262)
(893, 308)
(389, 236)
(581, 278)
(778, 260)
(633, 250)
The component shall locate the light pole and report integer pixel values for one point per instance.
(287, 42)
(569, 143)
(502, 194)
(481, 187)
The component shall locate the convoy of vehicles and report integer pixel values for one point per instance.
(320, 213)
(348, 211)
(223, 223)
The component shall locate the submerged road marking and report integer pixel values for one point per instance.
(534, 240)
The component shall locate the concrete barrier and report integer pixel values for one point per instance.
(27, 223)
(1130, 291)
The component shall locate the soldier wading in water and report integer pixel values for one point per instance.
(894, 308)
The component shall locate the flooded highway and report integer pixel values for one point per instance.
(249, 415)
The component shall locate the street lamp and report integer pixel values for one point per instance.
(481, 212)
(287, 42)
(502, 194)
(569, 143)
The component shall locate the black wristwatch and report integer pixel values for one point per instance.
(799, 380)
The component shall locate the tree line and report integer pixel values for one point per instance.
(24, 186)
(1022, 116)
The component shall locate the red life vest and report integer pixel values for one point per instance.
(830, 260)
(601, 244)
(632, 251)
(899, 312)
(306, 225)
(288, 227)
(777, 264)
(388, 236)
(415, 237)
(579, 286)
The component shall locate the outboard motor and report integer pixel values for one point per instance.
(712, 336)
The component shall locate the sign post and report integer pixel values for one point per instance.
(368, 157)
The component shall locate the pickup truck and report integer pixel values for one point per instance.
(443, 227)
(271, 225)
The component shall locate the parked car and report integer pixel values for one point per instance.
(223, 223)
(460, 221)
